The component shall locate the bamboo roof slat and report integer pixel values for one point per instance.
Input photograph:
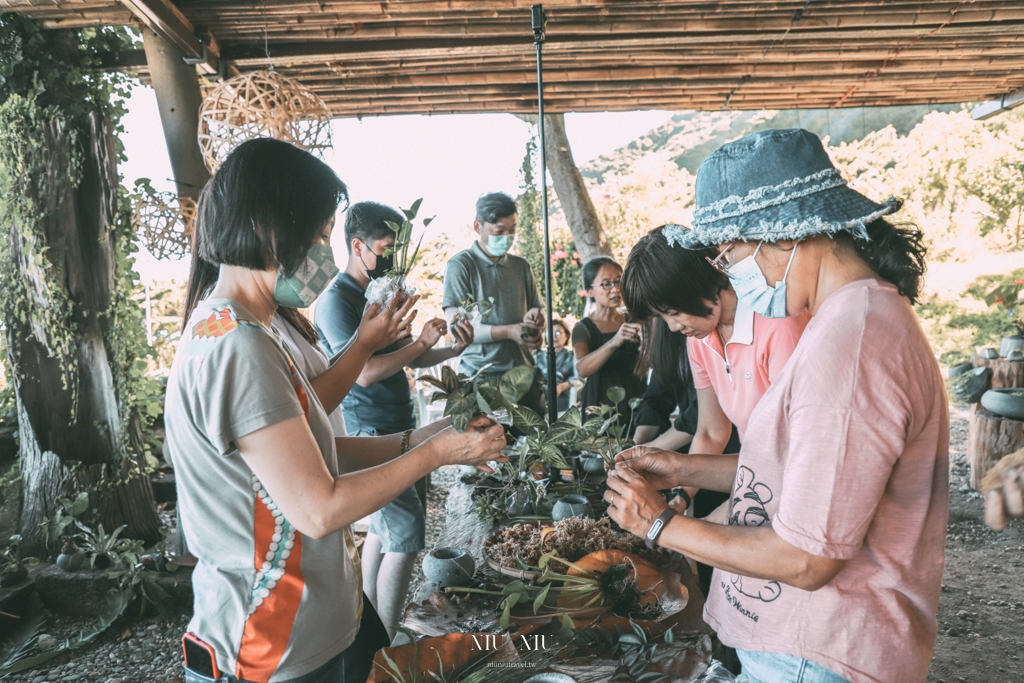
(444, 56)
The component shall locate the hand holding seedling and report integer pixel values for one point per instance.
(633, 502)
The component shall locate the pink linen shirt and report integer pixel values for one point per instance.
(850, 461)
(743, 370)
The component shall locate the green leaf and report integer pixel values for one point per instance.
(568, 628)
(449, 378)
(634, 403)
(541, 597)
(526, 420)
(669, 636)
(616, 394)
(543, 561)
(461, 420)
(551, 455)
(411, 212)
(506, 615)
(520, 378)
(433, 381)
(81, 504)
(395, 228)
(631, 639)
(482, 404)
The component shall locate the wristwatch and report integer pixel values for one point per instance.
(659, 524)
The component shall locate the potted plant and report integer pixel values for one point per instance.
(394, 284)
(1009, 292)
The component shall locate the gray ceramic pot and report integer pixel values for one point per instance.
(550, 678)
(969, 386)
(960, 368)
(1014, 341)
(1005, 402)
(448, 566)
(989, 354)
(571, 506)
(591, 462)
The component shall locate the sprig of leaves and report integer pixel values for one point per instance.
(467, 397)
(403, 240)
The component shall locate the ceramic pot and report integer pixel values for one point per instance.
(592, 463)
(960, 368)
(550, 678)
(1005, 402)
(1014, 341)
(1015, 354)
(969, 386)
(448, 566)
(989, 354)
(71, 562)
(571, 506)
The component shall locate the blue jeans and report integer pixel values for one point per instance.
(771, 667)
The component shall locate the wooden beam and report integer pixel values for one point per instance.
(166, 21)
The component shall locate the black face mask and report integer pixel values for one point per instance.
(384, 264)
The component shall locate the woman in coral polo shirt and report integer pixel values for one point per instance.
(734, 353)
(831, 565)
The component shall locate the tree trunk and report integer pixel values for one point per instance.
(73, 417)
(1006, 374)
(580, 213)
(989, 439)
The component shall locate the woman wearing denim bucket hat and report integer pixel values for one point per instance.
(831, 565)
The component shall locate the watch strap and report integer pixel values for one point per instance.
(656, 528)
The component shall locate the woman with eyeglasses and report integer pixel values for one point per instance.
(606, 343)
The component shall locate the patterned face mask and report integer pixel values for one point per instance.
(309, 281)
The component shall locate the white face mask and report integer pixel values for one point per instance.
(752, 288)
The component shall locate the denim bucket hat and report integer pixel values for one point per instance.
(774, 185)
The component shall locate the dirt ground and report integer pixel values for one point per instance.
(981, 612)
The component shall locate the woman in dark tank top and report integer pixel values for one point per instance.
(606, 343)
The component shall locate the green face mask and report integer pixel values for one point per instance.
(498, 245)
(309, 281)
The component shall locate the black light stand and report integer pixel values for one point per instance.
(537, 22)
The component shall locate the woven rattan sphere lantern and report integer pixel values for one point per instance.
(164, 222)
(261, 104)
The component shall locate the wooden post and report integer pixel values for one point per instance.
(178, 97)
(1006, 374)
(989, 439)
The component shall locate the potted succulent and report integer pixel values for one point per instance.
(395, 284)
(1009, 292)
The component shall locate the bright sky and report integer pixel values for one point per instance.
(447, 160)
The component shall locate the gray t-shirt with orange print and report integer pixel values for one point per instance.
(273, 603)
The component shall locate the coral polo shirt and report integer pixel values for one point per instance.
(743, 369)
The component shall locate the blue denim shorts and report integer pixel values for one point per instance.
(401, 524)
(772, 667)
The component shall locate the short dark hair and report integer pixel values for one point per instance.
(564, 325)
(492, 207)
(659, 278)
(265, 206)
(366, 221)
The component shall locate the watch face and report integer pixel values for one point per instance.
(655, 528)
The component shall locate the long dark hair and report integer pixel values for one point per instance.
(659, 278)
(895, 252)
